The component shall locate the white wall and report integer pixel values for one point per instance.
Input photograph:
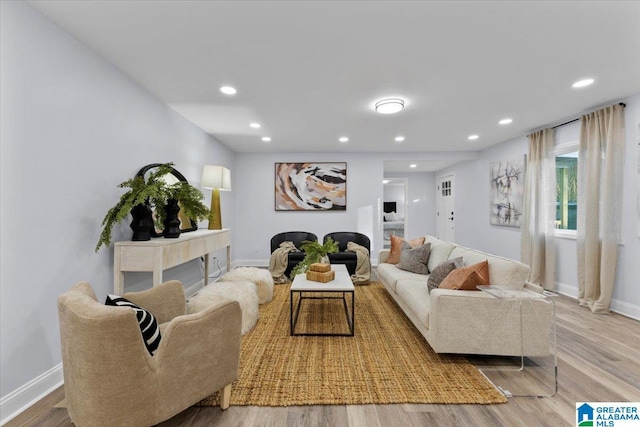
(72, 128)
(472, 213)
(255, 209)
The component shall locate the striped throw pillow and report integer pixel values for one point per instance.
(146, 321)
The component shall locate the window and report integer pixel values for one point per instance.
(567, 187)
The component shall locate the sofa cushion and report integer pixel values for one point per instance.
(390, 274)
(396, 248)
(503, 272)
(415, 260)
(441, 271)
(147, 322)
(440, 251)
(415, 295)
(467, 278)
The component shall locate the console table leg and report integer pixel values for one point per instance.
(118, 275)
(205, 280)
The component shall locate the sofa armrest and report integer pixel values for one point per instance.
(164, 301)
(477, 323)
(533, 287)
(384, 254)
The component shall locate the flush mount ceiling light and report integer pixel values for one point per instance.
(343, 139)
(413, 165)
(389, 105)
(473, 137)
(582, 83)
(228, 90)
(505, 121)
(255, 125)
(266, 139)
(399, 138)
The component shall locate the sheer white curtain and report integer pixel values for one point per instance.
(539, 213)
(600, 179)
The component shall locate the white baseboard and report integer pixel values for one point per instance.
(24, 397)
(617, 306)
(265, 263)
(250, 263)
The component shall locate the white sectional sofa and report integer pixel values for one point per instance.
(471, 322)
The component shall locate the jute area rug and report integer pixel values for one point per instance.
(387, 361)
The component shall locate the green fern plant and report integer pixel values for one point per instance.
(190, 200)
(314, 252)
(154, 190)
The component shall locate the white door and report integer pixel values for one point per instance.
(446, 208)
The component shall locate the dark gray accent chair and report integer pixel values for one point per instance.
(347, 258)
(297, 237)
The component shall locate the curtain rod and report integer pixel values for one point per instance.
(575, 120)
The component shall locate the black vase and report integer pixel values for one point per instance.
(171, 222)
(142, 222)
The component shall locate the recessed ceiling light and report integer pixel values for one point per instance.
(385, 181)
(255, 125)
(582, 83)
(228, 90)
(505, 121)
(266, 139)
(389, 105)
(472, 137)
(399, 138)
(413, 165)
(416, 200)
(343, 139)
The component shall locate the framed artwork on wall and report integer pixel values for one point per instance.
(506, 178)
(311, 186)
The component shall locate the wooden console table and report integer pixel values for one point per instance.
(158, 254)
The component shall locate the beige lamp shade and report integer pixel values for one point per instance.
(217, 178)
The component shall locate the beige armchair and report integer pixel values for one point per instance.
(111, 379)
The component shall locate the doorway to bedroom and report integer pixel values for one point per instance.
(394, 208)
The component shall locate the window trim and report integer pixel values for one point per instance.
(561, 149)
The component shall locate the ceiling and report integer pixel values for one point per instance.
(310, 71)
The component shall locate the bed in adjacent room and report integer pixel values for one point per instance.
(393, 224)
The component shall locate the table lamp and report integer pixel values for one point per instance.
(216, 178)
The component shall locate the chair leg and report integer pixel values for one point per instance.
(225, 397)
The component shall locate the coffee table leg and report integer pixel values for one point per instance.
(353, 313)
(291, 312)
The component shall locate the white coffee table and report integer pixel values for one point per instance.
(308, 289)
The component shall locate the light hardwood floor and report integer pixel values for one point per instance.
(598, 360)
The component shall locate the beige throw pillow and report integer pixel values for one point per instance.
(396, 248)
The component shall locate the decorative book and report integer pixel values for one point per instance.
(319, 266)
(321, 276)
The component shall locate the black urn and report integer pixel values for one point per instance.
(142, 222)
(171, 222)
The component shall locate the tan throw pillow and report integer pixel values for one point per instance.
(414, 259)
(467, 278)
(396, 248)
(441, 271)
